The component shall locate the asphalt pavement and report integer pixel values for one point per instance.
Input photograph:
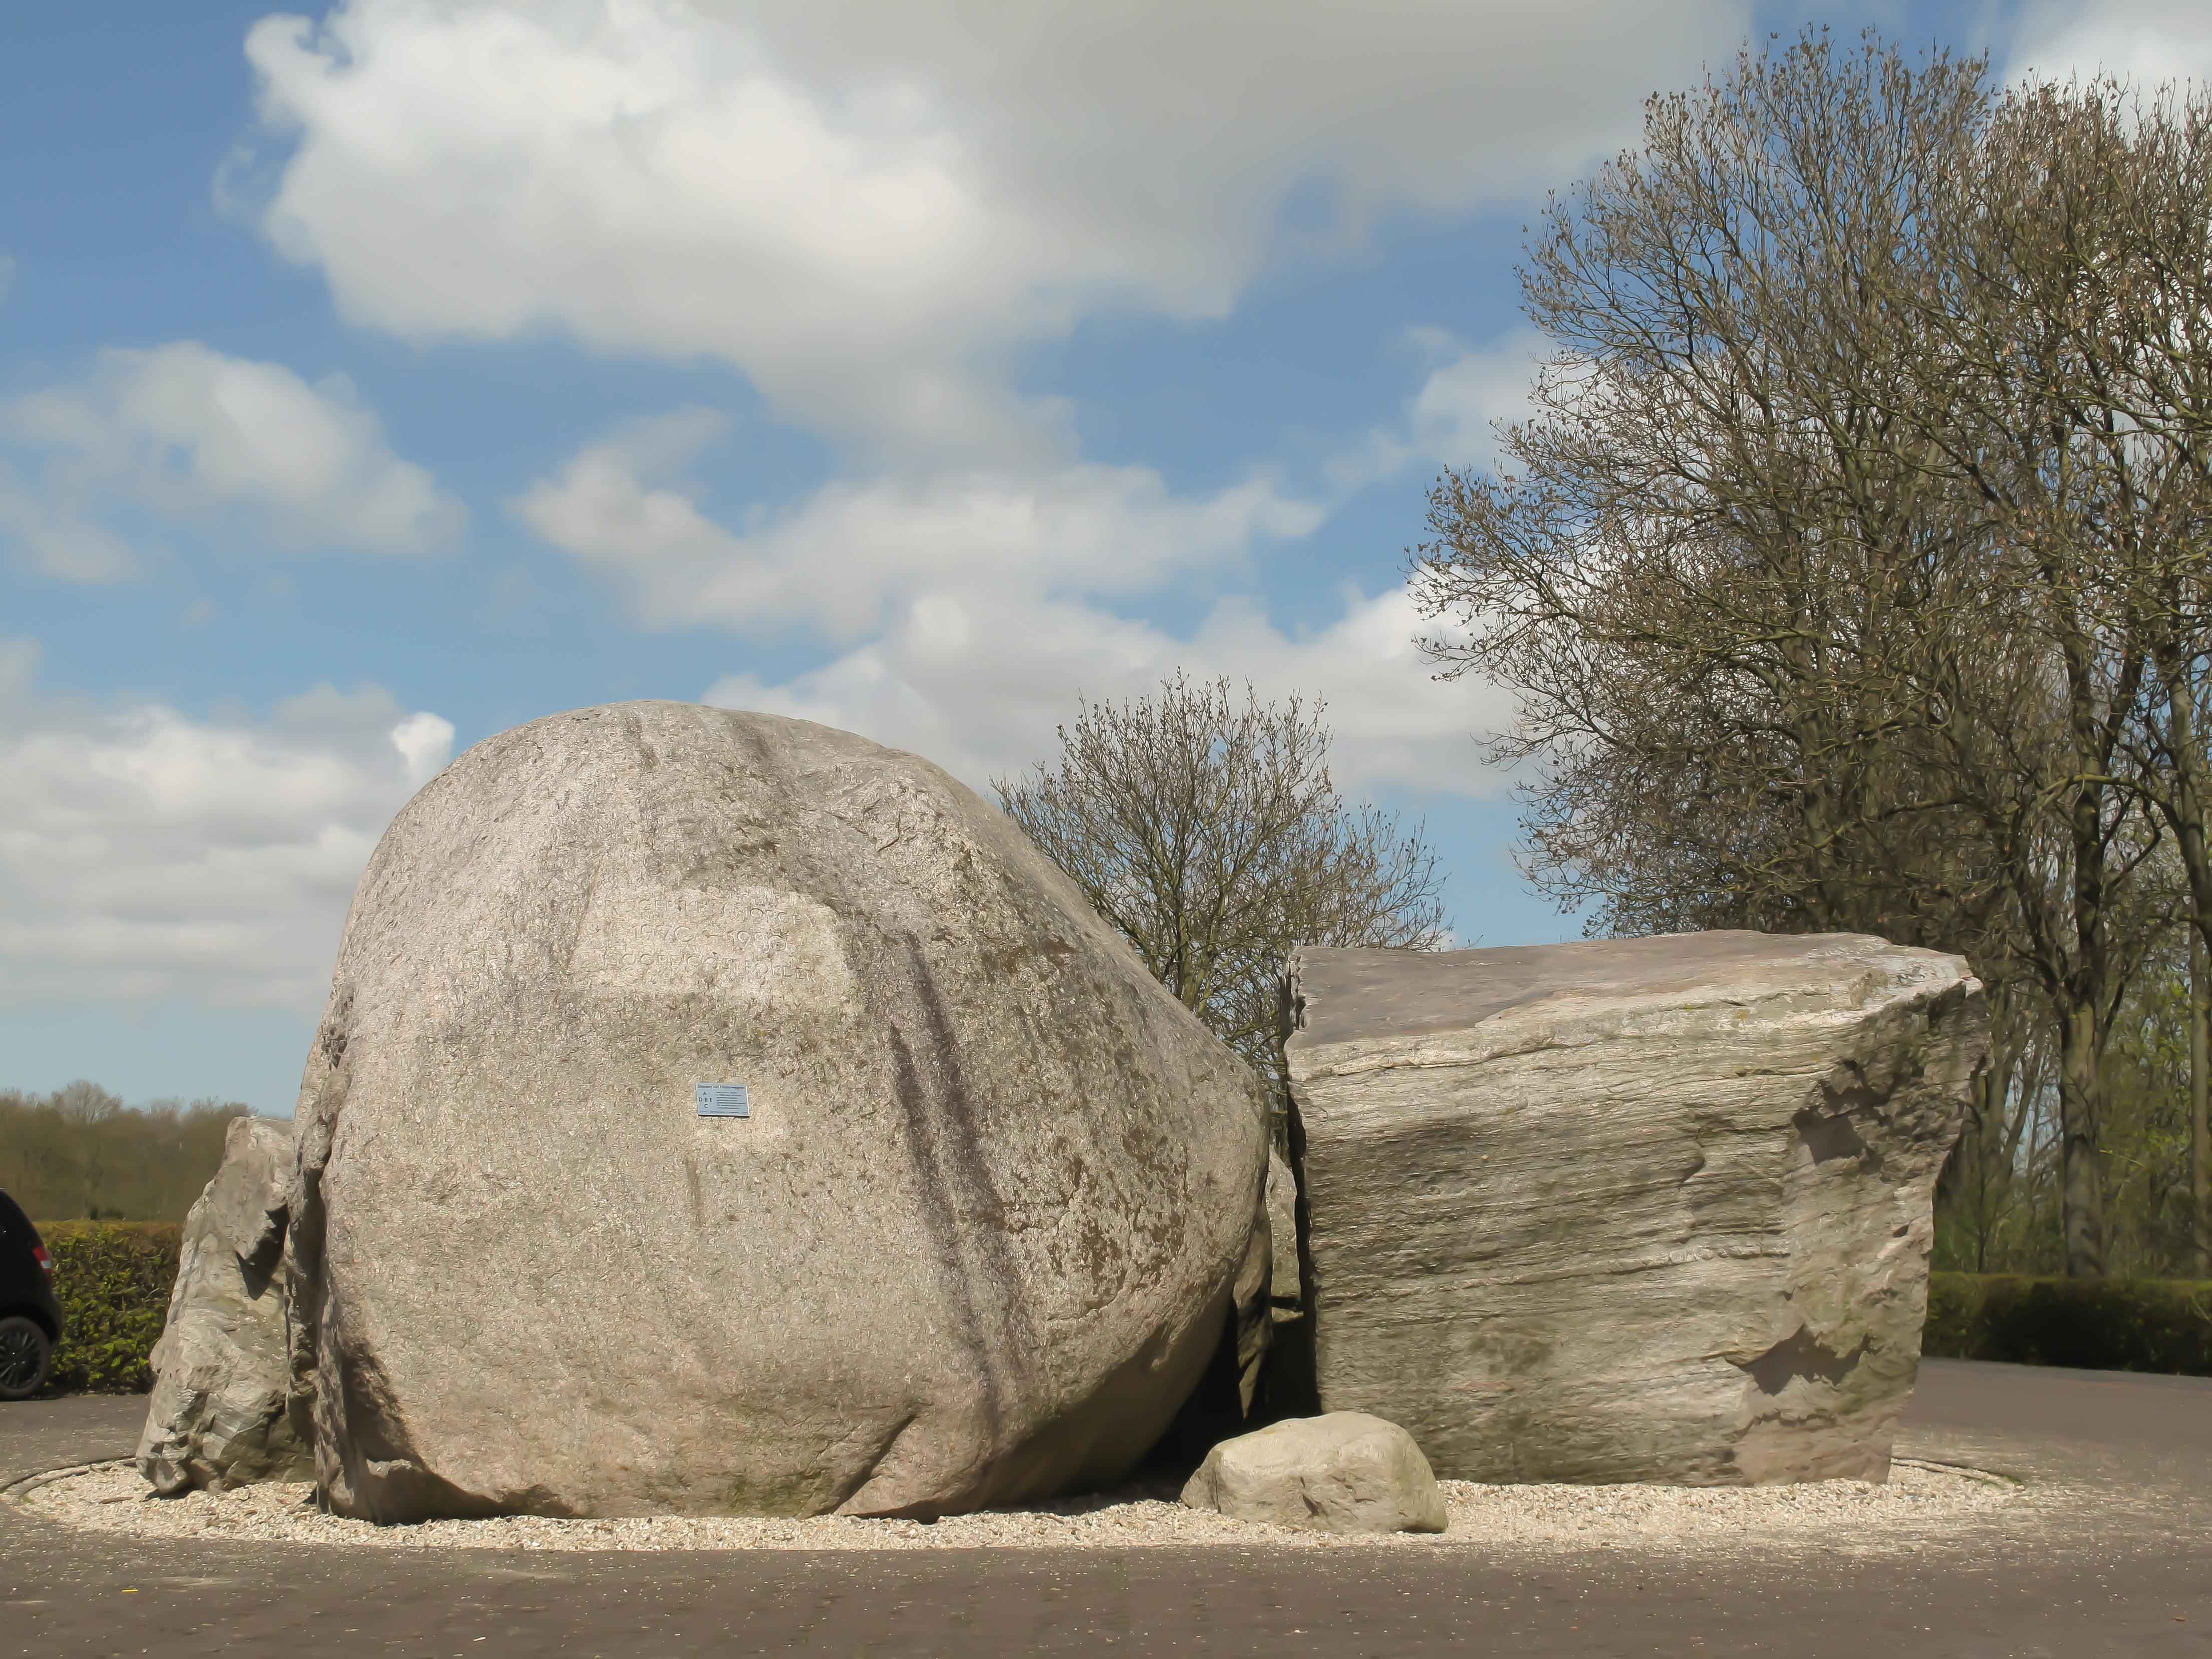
(2115, 1558)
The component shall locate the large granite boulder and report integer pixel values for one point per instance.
(1651, 1209)
(218, 1416)
(974, 1242)
(1344, 1472)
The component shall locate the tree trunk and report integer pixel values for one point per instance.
(2186, 814)
(2200, 1087)
(1988, 1105)
(2081, 1190)
(2088, 989)
(1998, 1140)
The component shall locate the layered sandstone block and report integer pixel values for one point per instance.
(973, 1240)
(1652, 1209)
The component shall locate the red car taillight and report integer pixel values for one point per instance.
(45, 1261)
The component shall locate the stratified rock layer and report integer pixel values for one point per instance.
(1344, 1472)
(218, 1415)
(975, 1242)
(1653, 1209)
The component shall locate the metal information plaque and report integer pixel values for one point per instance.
(722, 1100)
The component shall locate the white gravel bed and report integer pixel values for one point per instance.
(1919, 1500)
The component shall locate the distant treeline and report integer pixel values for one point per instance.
(80, 1154)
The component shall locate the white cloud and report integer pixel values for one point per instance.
(1455, 415)
(979, 682)
(856, 549)
(1453, 419)
(55, 538)
(974, 607)
(147, 856)
(2152, 42)
(195, 437)
(866, 208)
(865, 205)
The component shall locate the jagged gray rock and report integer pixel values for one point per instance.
(1285, 1290)
(1650, 1209)
(1253, 1303)
(218, 1414)
(1344, 1472)
(975, 1242)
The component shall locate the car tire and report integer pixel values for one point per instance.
(26, 1355)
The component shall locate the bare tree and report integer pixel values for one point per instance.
(1811, 570)
(1209, 835)
(2035, 338)
(1715, 541)
(1980, 1207)
(2108, 227)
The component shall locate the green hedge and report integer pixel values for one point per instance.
(113, 1279)
(2093, 1324)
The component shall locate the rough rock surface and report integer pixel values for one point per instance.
(973, 1243)
(1285, 1289)
(1344, 1472)
(1652, 1209)
(218, 1416)
(1253, 1303)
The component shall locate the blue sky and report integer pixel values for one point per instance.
(373, 380)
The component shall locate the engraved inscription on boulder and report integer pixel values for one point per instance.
(724, 1100)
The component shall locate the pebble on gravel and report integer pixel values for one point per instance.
(1919, 1498)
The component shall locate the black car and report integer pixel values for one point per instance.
(30, 1314)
